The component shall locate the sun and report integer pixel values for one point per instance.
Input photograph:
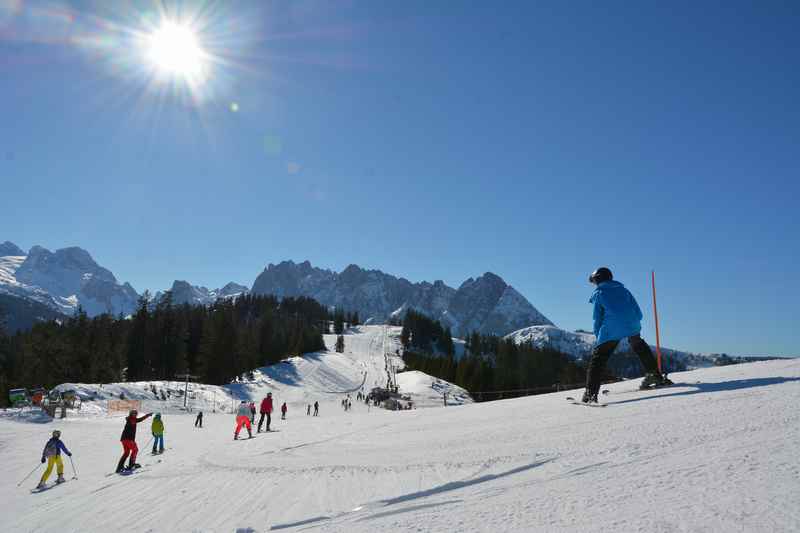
(174, 50)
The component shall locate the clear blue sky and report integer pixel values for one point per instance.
(432, 140)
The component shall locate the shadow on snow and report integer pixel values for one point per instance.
(708, 388)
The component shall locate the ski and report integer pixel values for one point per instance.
(37, 490)
(573, 401)
(657, 387)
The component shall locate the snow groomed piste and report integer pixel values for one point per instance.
(715, 452)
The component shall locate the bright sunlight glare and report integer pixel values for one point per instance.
(174, 50)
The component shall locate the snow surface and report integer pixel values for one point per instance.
(716, 452)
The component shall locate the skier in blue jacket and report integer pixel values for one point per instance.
(616, 316)
(52, 455)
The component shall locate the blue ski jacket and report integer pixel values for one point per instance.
(54, 447)
(616, 313)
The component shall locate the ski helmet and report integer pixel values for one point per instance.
(56, 433)
(600, 275)
(133, 412)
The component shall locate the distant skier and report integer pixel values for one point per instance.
(198, 422)
(616, 316)
(266, 410)
(157, 427)
(243, 419)
(308, 411)
(283, 411)
(128, 440)
(253, 412)
(52, 455)
(316, 408)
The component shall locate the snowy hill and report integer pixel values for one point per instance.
(64, 280)
(486, 304)
(299, 381)
(716, 452)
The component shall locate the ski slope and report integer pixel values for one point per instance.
(371, 352)
(716, 452)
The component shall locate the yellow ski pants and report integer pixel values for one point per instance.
(53, 460)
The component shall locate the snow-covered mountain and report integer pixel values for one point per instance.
(63, 280)
(185, 293)
(486, 304)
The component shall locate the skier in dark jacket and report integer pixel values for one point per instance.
(52, 455)
(616, 316)
(198, 422)
(283, 411)
(316, 408)
(266, 411)
(128, 440)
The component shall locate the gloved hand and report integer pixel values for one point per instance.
(43, 461)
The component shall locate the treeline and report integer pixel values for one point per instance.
(342, 318)
(216, 343)
(424, 335)
(489, 363)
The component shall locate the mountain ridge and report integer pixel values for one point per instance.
(486, 303)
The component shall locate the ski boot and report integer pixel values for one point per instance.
(60, 478)
(589, 397)
(654, 380)
(41, 485)
(121, 466)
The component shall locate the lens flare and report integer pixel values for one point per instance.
(175, 51)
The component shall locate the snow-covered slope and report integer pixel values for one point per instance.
(370, 357)
(64, 280)
(580, 344)
(717, 452)
(486, 304)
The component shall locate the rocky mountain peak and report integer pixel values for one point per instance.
(484, 304)
(9, 248)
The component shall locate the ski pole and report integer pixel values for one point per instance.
(655, 314)
(74, 472)
(29, 475)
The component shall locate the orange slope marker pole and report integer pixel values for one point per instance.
(655, 313)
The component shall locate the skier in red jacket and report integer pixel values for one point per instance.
(128, 440)
(283, 411)
(266, 410)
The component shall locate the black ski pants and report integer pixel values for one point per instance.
(601, 353)
(261, 420)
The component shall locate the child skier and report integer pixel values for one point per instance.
(52, 454)
(158, 434)
(616, 316)
(283, 411)
(128, 440)
(243, 419)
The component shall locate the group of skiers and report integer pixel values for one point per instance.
(616, 316)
